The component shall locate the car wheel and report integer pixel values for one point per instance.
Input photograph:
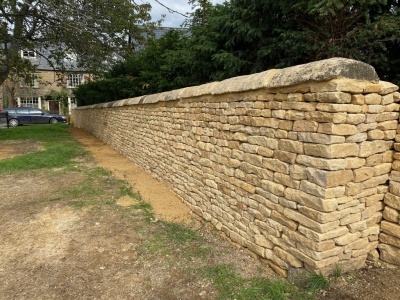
(53, 121)
(13, 122)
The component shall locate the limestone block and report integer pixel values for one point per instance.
(253, 159)
(295, 96)
(347, 239)
(261, 241)
(272, 187)
(286, 125)
(350, 219)
(387, 116)
(322, 217)
(358, 99)
(391, 215)
(375, 135)
(375, 219)
(285, 221)
(334, 97)
(308, 222)
(319, 255)
(276, 165)
(286, 180)
(355, 119)
(394, 188)
(357, 138)
(389, 239)
(358, 226)
(320, 138)
(321, 71)
(315, 264)
(305, 126)
(329, 179)
(303, 198)
(365, 127)
(373, 98)
(363, 174)
(321, 163)
(371, 210)
(291, 146)
(375, 109)
(341, 85)
(271, 143)
(387, 125)
(321, 192)
(301, 106)
(285, 156)
(321, 117)
(395, 175)
(387, 87)
(337, 129)
(390, 254)
(355, 162)
(332, 151)
(369, 148)
(298, 172)
(339, 108)
(286, 256)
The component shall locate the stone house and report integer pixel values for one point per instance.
(36, 89)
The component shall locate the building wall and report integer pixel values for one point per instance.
(48, 81)
(293, 164)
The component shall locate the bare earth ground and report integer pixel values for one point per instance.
(52, 250)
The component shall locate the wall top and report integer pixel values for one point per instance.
(323, 70)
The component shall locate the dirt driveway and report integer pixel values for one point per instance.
(56, 245)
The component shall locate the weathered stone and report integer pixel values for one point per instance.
(363, 174)
(321, 163)
(320, 138)
(319, 191)
(369, 148)
(319, 237)
(337, 129)
(331, 151)
(373, 98)
(324, 205)
(391, 215)
(390, 254)
(391, 229)
(329, 179)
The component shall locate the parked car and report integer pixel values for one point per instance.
(30, 115)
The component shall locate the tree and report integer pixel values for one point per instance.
(92, 32)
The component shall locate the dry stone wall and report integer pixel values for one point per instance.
(293, 164)
(390, 226)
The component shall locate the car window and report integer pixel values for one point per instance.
(35, 111)
(23, 111)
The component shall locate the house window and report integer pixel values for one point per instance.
(30, 102)
(74, 80)
(28, 54)
(31, 81)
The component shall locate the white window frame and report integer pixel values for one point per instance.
(34, 82)
(29, 102)
(28, 54)
(74, 80)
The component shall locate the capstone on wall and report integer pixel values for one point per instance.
(293, 164)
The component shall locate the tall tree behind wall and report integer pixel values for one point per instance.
(92, 32)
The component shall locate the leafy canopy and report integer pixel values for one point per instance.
(91, 32)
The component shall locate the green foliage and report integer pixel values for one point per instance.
(91, 31)
(242, 37)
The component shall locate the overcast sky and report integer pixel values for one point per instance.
(172, 19)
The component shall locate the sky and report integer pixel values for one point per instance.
(172, 19)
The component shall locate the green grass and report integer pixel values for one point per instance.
(59, 148)
(232, 286)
